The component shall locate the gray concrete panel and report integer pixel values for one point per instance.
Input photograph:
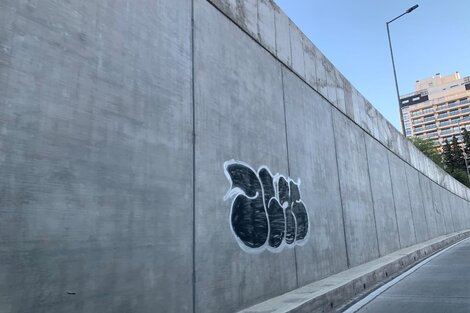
(330, 82)
(383, 133)
(416, 159)
(7, 19)
(283, 49)
(266, 24)
(417, 204)
(95, 153)
(309, 130)
(309, 58)
(249, 11)
(463, 215)
(446, 199)
(382, 196)
(458, 215)
(438, 208)
(348, 97)
(401, 196)
(365, 114)
(467, 215)
(428, 205)
(358, 211)
(297, 50)
(340, 90)
(243, 13)
(455, 204)
(396, 142)
(321, 74)
(239, 114)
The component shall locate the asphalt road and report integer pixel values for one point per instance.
(440, 286)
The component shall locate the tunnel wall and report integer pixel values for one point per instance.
(118, 119)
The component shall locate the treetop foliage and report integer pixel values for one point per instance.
(451, 157)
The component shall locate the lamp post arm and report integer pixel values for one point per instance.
(396, 18)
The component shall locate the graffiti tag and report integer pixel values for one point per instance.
(267, 211)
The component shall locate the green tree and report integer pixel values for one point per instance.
(466, 141)
(446, 156)
(450, 159)
(429, 149)
(457, 160)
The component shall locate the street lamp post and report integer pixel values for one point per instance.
(393, 63)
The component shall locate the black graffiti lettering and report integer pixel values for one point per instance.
(300, 213)
(244, 178)
(249, 221)
(283, 190)
(299, 210)
(248, 217)
(267, 210)
(267, 183)
(290, 226)
(277, 223)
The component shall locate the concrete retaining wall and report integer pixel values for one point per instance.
(116, 119)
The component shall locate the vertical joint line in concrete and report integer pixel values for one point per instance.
(451, 201)
(435, 205)
(393, 198)
(411, 206)
(443, 211)
(348, 262)
(193, 109)
(424, 208)
(288, 162)
(372, 196)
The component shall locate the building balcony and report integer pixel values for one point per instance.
(422, 113)
(423, 121)
(444, 115)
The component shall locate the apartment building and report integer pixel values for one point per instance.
(438, 109)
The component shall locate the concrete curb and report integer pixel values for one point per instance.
(336, 291)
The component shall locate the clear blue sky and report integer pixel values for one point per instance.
(435, 38)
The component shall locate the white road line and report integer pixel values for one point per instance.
(358, 305)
